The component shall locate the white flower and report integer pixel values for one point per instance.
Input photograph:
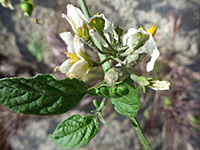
(159, 85)
(6, 4)
(77, 20)
(148, 47)
(78, 63)
(108, 28)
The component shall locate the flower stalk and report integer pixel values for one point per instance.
(103, 61)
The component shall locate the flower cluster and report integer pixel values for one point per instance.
(127, 50)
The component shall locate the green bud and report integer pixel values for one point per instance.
(96, 103)
(114, 75)
(119, 31)
(27, 8)
(142, 81)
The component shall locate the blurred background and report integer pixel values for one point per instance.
(170, 119)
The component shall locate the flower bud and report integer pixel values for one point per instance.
(153, 84)
(140, 80)
(114, 75)
(27, 8)
(159, 85)
(96, 103)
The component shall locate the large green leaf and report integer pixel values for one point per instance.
(41, 95)
(128, 104)
(75, 131)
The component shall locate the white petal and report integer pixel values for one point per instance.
(64, 67)
(79, 47)
(72, 14)
(68, 39)
(70, 22)
(128, 35)
(160, 85)
(80, 68)
(75, 17)
(109, 27)
(154, 56)
(151, 48)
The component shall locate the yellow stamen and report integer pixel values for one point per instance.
(72, 57)
(153, 29)
(97, 14)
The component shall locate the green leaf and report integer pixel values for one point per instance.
(41, 95)
(128, 104)
(75, 132)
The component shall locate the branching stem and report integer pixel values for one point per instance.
(103, 61)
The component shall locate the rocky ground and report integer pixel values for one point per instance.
(178, 38)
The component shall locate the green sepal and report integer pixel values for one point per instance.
(75, 132)
(96, 103)
(119, 31)
(41, 95)
(97, 23)
(129, 103)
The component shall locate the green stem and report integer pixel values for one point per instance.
(140, 133)
(84, 8)
(105, 39)
(103, 61)
(123, 48)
